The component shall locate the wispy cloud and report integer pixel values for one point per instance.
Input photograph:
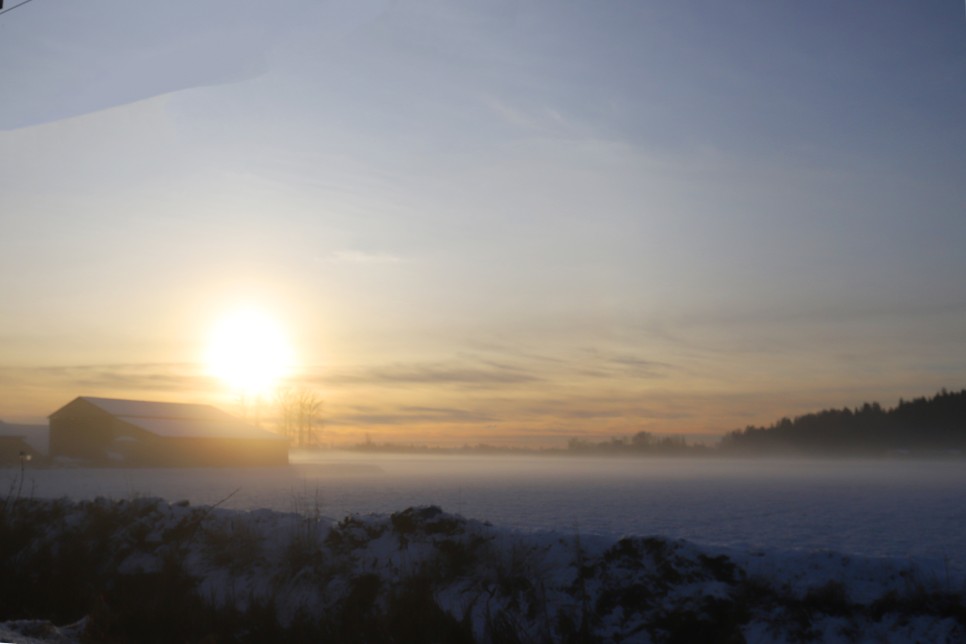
(625, 407)
(439, 373)
(596, 363)
(116, 54)
(30, 393)
(96, 378)
(362, 257)
(540, 120)
(414, 416)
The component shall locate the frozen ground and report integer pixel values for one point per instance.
(904, 510)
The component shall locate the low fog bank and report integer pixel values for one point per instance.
(905, 508)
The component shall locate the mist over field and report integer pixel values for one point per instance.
(903, 509)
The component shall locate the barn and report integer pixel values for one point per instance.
(109, 431)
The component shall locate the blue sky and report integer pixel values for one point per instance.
(535, 220)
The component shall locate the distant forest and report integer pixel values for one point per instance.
(644, 443)
(933, 426)
(922, 425)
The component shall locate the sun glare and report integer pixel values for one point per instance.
(249, 352)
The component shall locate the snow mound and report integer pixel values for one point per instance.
(423, 574)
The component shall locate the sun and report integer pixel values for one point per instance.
(249, 351)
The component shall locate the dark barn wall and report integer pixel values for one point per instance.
(221, 452)
(143, 451)
(198, 451)
(80, 430)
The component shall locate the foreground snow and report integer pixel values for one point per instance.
(422, 574)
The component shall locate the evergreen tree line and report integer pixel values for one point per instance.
(926, 425)
(936, 424)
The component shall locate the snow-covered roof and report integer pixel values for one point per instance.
(150, 409)
(179, 420)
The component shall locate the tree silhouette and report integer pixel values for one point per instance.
(922, 424)
(299, 415)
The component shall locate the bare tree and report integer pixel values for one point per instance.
(299, 415)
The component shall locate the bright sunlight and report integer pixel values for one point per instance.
(248, 350)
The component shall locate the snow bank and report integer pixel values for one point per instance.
(422, 574)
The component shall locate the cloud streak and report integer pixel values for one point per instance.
(362, 257)
(413, 416)
(113, 53)
(438, 373)
(94, 378)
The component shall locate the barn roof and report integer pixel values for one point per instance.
(179, 420)
(149, 409)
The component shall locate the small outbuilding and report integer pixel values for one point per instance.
(109, 431)
(14, 446)
(35, 439)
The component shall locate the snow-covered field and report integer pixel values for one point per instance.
(902, 510)
(850, 551)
